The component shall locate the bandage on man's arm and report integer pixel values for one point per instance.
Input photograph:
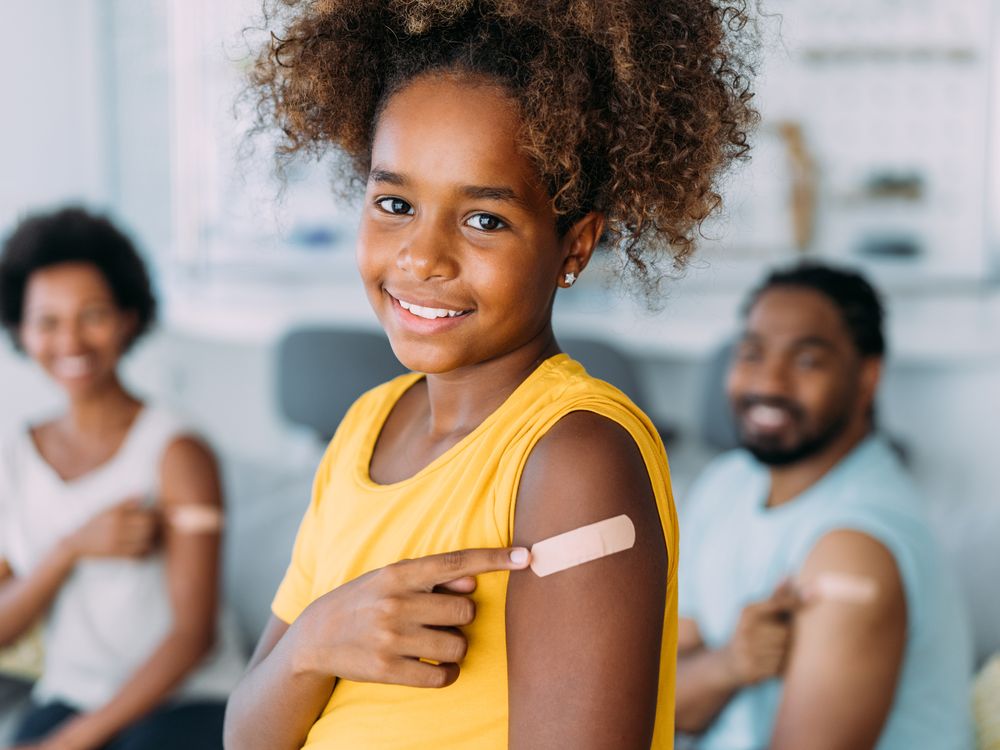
(583, 643)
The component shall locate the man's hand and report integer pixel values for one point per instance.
(125, 530)
(760, 645)
(398, 624)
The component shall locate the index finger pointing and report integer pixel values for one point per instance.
(433, 570)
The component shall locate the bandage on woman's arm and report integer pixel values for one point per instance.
(583, 644)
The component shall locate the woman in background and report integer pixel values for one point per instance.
(109, 512)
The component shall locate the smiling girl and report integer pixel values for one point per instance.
(498, 144)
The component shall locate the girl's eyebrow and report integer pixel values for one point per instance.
(384, 175)
(478, 192)
(493, 193)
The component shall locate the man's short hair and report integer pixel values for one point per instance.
(859, 304)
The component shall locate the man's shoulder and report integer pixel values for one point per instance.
(876, 476)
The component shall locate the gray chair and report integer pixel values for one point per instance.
(13, 700)
(321, 371)
(718, 427)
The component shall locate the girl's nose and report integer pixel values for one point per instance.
(428, 253)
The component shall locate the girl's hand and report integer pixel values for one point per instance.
(125, 530)
(398, 624)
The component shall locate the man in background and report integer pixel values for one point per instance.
(815, 610)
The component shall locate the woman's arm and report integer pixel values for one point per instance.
(583, 645)
(189, 476)
(24, 599)
(123, 530)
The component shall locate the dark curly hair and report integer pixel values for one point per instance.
(629, 107)
(72, 235)
(857, 300)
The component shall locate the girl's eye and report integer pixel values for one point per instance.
(485, 222)
(394, 206)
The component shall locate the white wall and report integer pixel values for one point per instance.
(52, 144)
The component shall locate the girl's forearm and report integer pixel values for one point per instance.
(276, 702)
(149, 687)
(24, 599)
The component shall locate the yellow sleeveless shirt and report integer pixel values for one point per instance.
(464, 498)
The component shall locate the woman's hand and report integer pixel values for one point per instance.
(398, 624)
(127, 529)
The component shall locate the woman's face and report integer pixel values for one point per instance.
(457, 247)
(72, 326)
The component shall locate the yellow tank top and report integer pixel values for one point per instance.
(464, 498)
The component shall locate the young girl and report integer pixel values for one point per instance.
(499, 142)
(103, 512)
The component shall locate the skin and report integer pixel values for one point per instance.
(71, 316)
(455, 219)
(839, 661)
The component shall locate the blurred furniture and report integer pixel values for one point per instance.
(321, 371)
(718, 427)
(14, 695)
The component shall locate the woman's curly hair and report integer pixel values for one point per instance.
(629, 107)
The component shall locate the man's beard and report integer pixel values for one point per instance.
(772, 452)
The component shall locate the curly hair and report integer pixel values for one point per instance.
(72, 235)
(628, 107)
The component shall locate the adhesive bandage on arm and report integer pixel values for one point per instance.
(582, 545)
(842, 587)
(194, 519)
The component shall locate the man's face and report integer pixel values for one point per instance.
(797, 381)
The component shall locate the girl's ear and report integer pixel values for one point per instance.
(578, 246)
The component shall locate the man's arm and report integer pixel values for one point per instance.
(583, 645)
(846, 656)
(707, 679)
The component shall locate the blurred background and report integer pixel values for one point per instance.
(879, 148)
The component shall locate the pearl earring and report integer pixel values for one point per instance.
(569, 278)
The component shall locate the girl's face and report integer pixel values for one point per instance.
(458, 247)
(72, 326)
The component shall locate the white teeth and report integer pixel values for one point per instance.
(72, 367)
(767, 416)
(431, 313)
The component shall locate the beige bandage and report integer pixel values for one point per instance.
(582, 545)
(195, 519)
(842, 587)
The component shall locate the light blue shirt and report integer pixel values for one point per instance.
(735, 551)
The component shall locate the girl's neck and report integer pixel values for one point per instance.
(105, 408)
(459, 401)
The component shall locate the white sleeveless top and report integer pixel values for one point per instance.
(110, 614)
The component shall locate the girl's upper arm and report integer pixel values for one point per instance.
(189, 476)
(583, 645)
